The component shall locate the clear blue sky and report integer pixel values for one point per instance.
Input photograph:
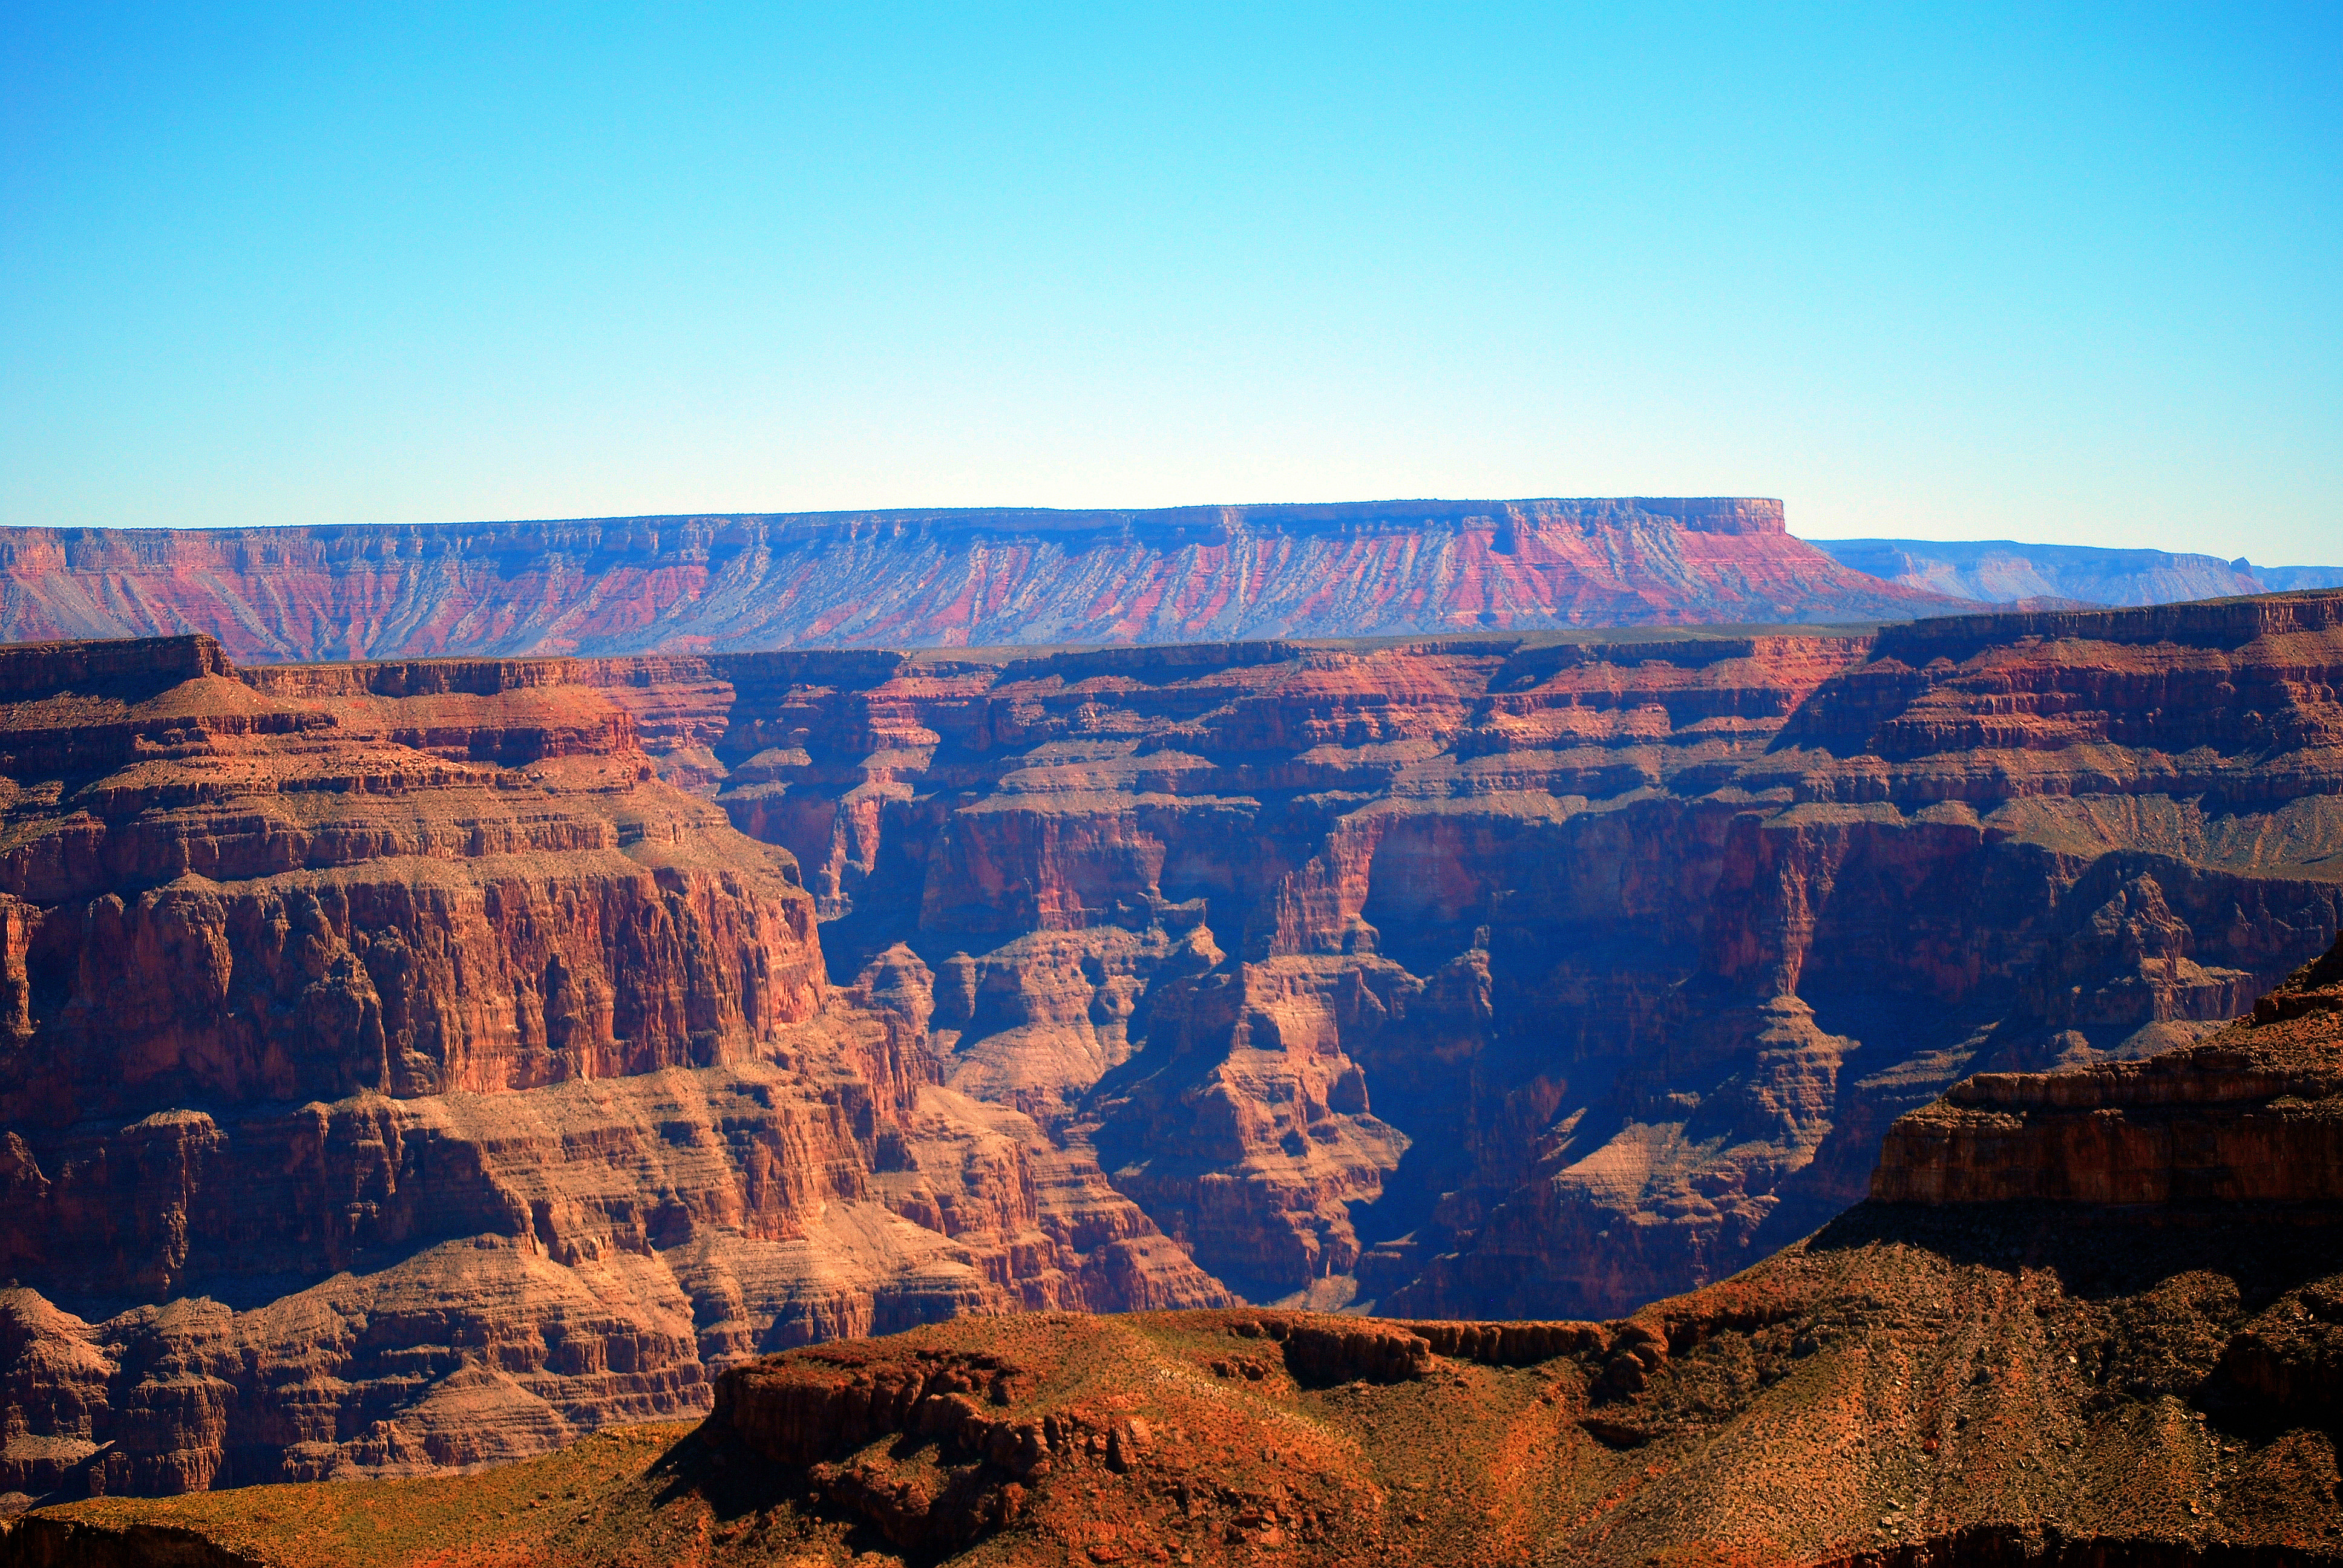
(1981, 273)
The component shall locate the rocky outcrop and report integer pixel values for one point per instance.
(959, 577)
(2253, 1115)
(395, 1074)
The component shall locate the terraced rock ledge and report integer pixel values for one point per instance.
(2137, 1361)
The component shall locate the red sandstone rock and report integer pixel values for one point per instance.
(2253, 1115)
(497, 1082)
(1473, 976)
(951, 578)
(1638, 945)
(1970, 1369)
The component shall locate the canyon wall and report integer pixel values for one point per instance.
(391, 1052)
(2090, 1317)
(2253, 1116)
(1536, 975)
(934, 578)
(395, 1073)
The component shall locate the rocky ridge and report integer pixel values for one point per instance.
(934, 578)
(1958, 1371)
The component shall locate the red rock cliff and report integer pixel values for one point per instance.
(2252, 1116)
(395, 1072)
(2105, 1376)
(1536, 975)
(954, 578)
(1471, 976)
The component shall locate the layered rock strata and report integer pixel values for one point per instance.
(2045, 1355)
(2001, 571)
(1469, 977)
(1547, 975)
(395, 1073)
(2252, 1116)
(962, 578)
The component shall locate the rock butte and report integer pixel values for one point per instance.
(936, 578)
(416, 1064)
(2116, 1339)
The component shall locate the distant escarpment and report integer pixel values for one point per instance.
(2002, 571)
(935, 578)
(2091, 1318)
(1523, 976)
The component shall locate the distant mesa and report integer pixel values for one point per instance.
(938, 578)
(2058, 577)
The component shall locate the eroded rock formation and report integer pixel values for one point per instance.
(2091, 1317)
(962, 578)
(1531, 976)
(395, 1074)
(1552, 975)
(2252, 1116)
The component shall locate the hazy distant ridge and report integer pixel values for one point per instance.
(2002, 571)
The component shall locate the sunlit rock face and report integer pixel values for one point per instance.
(395, 1074)
(392, 1052)
(959, 577)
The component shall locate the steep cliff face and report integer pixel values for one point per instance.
(1471, 976)
(395, 1073)
(1503, 975)
(935, 578)
(2090, 1317)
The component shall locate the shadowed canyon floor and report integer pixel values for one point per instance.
(2087, 1317)
(418, 1064)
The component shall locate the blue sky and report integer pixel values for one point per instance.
(1977, 272)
